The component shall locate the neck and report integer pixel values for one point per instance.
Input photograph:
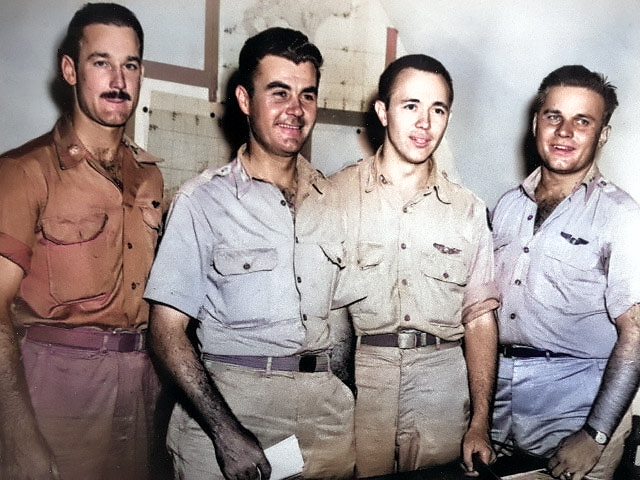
(408, 178)
(553, 186)
(280, 171)
(101, 141)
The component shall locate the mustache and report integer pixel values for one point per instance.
(116, 94)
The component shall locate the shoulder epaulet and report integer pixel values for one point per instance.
(223, 171)
(140, 154)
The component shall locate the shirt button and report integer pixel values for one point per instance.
(403, 246)
(530, 217)
(405, 209)
(404, 282)
(407, 318)
(299, 279)
(517, 282)
(133, 286)
(283, 203)
(129, 245)
(304, 317)
(445, 275)
(525, 249)
(246, 266)
(512, 316)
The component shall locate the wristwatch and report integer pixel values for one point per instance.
(599, 437)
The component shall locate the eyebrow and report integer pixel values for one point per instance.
(278, 84)
(434, 104)
(130, 58)
(558, 112)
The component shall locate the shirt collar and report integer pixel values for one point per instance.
(592, 179)
(308, 176)
(438, 180)
(71, 151)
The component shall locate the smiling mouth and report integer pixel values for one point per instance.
(286, 126)
(420, 141)
(563, 148)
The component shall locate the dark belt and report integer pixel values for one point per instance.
(521, 351)
(87, 338)
(407, 339)
(307, 363)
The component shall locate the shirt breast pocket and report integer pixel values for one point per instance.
(444, 278)
(82, 259)
(578, 267)
(242, 261)
(247, 288)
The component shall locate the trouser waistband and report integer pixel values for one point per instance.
(87, 338)
(522, 351)
(405, 339)
(306, 363)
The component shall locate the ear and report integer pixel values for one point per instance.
(534, 124)
(381, 111)
(68, 69)
(244, 99)
(604, 135)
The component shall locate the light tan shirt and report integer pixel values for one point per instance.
(425, 264)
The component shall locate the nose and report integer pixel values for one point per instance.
(117, 79)
(295, 107)
(424, 121)
(564, 129)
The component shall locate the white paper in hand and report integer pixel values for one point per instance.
(285, 458)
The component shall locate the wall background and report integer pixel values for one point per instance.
(497, 51)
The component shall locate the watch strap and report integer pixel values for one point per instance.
(599, 437)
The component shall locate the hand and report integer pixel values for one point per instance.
(27, 458)
(476, 443)
(240, 455)
(576, 455)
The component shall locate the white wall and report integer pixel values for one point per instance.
(497, 51)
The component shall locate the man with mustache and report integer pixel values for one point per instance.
(567, 268)
(420, 251)
(80, 214)
(250, 258)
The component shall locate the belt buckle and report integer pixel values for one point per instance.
(307, 363)
(407, 340)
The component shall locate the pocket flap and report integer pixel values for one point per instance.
(231, 261)
(445, 268)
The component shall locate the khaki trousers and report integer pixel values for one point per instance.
(412, 409)
(317, 407)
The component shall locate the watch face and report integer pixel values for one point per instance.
(601, 438)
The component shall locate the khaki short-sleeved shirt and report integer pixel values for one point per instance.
(85, 244)
(425, 264)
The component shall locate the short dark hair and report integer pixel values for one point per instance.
(281, 42)
(579, 76)
(101, 13)
(420, 62)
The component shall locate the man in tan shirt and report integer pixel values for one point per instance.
(422, 255)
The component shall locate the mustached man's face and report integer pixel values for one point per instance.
(108, 74)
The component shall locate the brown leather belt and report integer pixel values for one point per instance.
(87, 338)
(407, 339)
(306, 363)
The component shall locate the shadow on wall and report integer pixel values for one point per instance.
(233, 123)
(61, 92)
(529, 150)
